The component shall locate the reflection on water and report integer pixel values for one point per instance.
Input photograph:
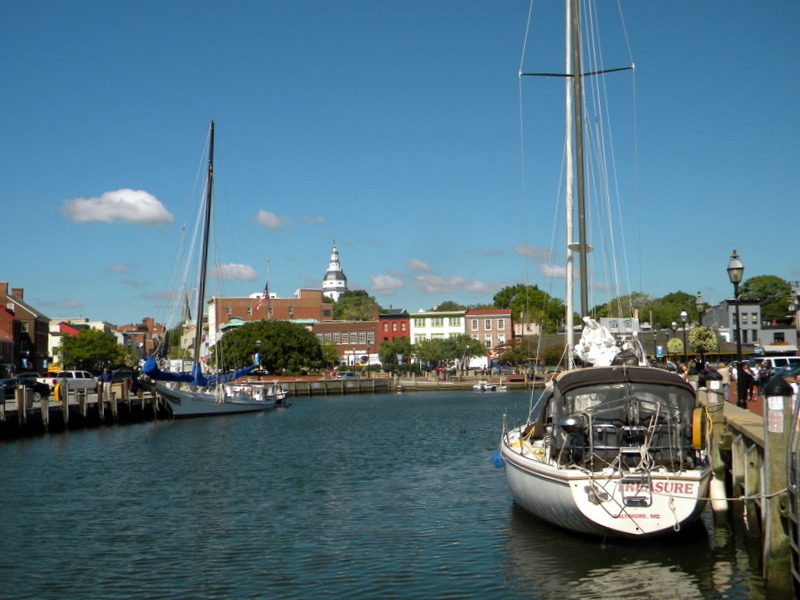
(702, 561)
(390, 496)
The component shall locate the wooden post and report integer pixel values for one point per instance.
(59, 395)
(81, 402)
(777, 549)
(44, 409)
(715, 406)
(112, 402)
(22, 407)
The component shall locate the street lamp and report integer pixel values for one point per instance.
(684, 320)
(674, 333)
(735, 272)
(700, 305)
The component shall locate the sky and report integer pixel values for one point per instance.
(401, 131)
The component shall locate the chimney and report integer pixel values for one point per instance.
(3, 288)
(18, 293)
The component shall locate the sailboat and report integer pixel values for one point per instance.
(205, 395)
(613, 448)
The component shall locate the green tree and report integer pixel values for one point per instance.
(390, 351)
(448, 306)
(675, 346)
(285, 347)
(431, 352)
(355, 306)
(460, 348)
(529, 304)
(92, 350)
(702, 340)
(517, 351)
(773, 292)
(330, 355)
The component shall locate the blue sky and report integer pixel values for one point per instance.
(392, 128)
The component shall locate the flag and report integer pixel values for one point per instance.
(263, 296)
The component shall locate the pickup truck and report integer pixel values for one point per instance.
(74, 380)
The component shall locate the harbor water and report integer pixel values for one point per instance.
(362, 496)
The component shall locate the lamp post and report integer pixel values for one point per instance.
(685, 320)
(735, 272)
(700, 305)
(674, 333)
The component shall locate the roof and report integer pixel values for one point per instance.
(506, 312)
(618, 374)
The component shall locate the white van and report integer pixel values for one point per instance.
(776, 361)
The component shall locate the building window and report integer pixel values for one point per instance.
(291, 312)
(386, 327)
(419, 323)
(394, 326)
(455, 321)
(487, 340)
(474, 324)
(501, 323)
(249, 310)
(487, 324)
(327, 336)
(228, 311)
(24, 326)
(269, 311)
(362, 337)
(476, 336)
(437, 322)
(403, 326)
(501, 338)
(371, 337)
(336, 337)
(778, 337)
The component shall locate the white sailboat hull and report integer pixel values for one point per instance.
(607, 502)
(184, 404)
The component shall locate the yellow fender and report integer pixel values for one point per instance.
(57, 392)
(698, 428)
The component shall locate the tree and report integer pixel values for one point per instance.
(773, 292)
(675, 346)
(391, 353)
(529, 304)
(702, 340)
(92, 350)
(517, 351)
(355, 306)
(461, 347)
(431, 352)
(448, 306)
(285, 347)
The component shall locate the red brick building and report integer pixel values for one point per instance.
(393, 324)
(30, 330)
(354, 339)
(145, 336)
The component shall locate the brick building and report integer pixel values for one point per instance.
(144, 337)
(492, 326)
(305, 305)
(354, 340)
(392, 324)
(30, 330)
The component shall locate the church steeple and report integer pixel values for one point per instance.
(334, 284)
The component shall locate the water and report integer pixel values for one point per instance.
(391, 496)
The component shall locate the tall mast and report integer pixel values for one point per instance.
(201, 294)
(569, 186)
(577, 106)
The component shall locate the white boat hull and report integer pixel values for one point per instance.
(605, 502)
(184, 404)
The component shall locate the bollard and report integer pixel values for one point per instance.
(44, 409)
(777, 548)
(716, 404)
(22, 407)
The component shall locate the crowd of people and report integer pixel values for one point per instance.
(755, 377)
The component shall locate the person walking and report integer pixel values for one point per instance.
(726, 379)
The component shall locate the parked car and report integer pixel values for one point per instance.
(74, 380)
(9, 386)
(346, 375)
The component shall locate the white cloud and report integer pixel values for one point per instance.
(554, 271)
(134, 206)
(314, 220)
(118, 269)
(431, 284)
(386, 285)
(233, 271)
(271, 220)
(417, 265)
(526, 250)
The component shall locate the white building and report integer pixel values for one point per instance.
(431, 325)
(334, 284)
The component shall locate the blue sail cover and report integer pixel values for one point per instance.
(195, 378)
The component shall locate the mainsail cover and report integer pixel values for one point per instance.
(195, 378)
